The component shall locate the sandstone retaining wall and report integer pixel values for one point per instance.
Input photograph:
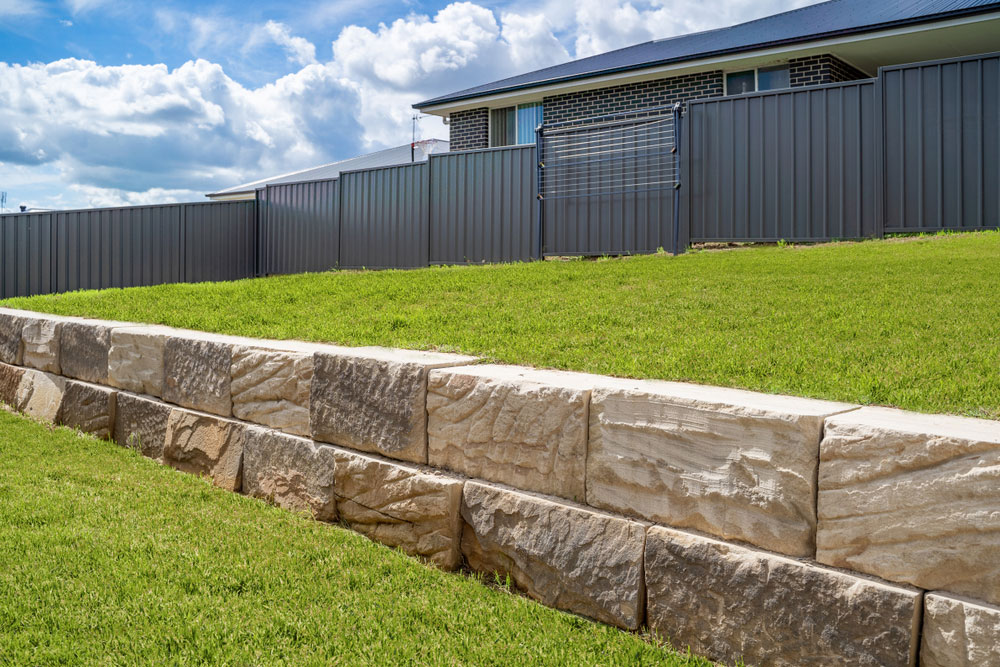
(777, 530)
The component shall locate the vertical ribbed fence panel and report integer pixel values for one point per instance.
(219, 241)
(300, 227)
(796, 164)
(384, 217)
(483, 206)
(942, 144)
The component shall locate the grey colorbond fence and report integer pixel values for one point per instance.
(942, 144)
(915, 150)
(43, 253)
(796, 164)
(483, 206)
(299, 227)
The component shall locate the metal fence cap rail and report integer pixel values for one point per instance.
(798, 90)
(943, 61)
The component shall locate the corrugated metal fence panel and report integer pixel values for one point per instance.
(25, 252)
(219, 241)
(384, 218)
(300, 227)
(942, 144)
(795, 164)
(483, 206)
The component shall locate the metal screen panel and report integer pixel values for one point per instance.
(796, 164)
(384, 218)
(300, 227)
(483, 206)
(607, 184)
(942, 144)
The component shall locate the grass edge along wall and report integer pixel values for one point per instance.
(413, 411)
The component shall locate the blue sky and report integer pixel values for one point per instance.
(111, 103)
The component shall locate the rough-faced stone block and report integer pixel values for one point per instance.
(40, 339)
(88, 408)
(11, 326)
(40, 395)
(291, 472)
(912, 498)
(728, 602)
(141, 424)
(564, 556)
(135, 360)
(271, 387)
(197, 374)
(400, 505)
(205, 445)
(514, 425)
(375, 400)
(10, 380)
(731, 463)
(83, 350)
(959, 633)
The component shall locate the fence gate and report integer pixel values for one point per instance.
(608, 185)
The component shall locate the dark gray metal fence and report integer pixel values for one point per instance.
(607, 184)
(482, 206)
(796, 164)
(942, 144)
(299, 227)
(43, 253)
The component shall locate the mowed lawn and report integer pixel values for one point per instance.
(110, 558)
(913, 323)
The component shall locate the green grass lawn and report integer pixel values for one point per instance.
(912, 323)
(110, 558)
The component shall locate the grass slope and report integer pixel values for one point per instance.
(912, 323)
(109, 558)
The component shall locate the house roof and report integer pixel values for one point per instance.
(823, 20)
(383, 158)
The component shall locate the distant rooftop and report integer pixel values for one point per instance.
(823, 20)
(384, 158)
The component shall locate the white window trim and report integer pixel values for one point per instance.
(517, 121)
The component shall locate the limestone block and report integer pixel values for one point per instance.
(912, 498)
(40, 340)
(291, 472)
(10, 380)
(83, 350)
(375, 400)
(205, 445)
(728, 602)
(11, 326)
(135, 360)
(40, 395)
(141, 424)
(736, 464)
(563, 555)
(518, 426)
(197, 373)
(89, 408)
(959, 633)
(403, 506)
(271, 387)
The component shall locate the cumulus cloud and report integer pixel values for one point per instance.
(102, 135)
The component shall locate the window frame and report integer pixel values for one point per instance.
(756, 79)
(517, 122)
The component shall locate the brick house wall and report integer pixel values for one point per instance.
(470, 129)
(817, 70)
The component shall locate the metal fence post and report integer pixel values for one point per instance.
(538, 179)
(677, 178)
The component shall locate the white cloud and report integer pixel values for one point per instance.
(83, 6)
(74, 132)
(298, 49)
(11, 8)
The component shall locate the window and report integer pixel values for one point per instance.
(514, 125)
(763, 78)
